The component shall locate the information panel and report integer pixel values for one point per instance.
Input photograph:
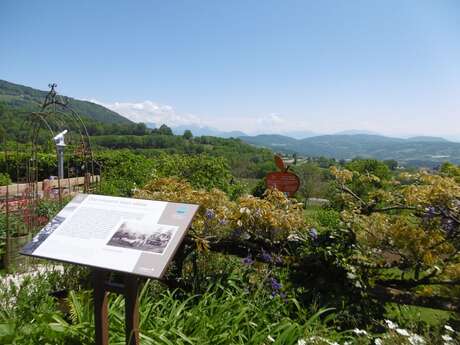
(121, 234)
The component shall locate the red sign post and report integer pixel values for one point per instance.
(283, 180)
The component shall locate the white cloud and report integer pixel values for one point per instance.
(157, 113)
(149, 111)
(271, 120)
(277, 123)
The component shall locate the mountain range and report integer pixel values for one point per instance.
(199, 131)
(419, 151)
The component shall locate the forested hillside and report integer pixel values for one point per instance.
(245, 160)
(24, 97)
(417, 151)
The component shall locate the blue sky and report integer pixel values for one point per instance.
(258, 66)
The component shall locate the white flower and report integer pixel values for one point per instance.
(294, 237)
(378, 341)
(416, 339)
(239, 223)
(450, 329)
(359, 331)
(391, 324)
(402, 332)
(245, 210)
(301, 342)
(447, 338)
(351, 275)
(271, 338)
(327, 341)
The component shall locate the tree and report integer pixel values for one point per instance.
(314, 181)
(370, 166)
(391, 163)
(411, 227)
(451, 170)
(187, 134)
(140, 129)
(165, 130)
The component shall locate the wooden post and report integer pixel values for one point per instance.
(87, 182)
(131, 309)
(130, 290)
(46, 187)
(101, 316)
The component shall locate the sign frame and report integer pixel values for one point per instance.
(149, 263)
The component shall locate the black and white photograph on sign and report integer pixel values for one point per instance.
(42, 235)
(152, 238)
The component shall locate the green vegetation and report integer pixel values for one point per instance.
(378, 262)
(23, 97)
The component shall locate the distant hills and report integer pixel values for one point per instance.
(207, 131)
(19, 96)
(416, 151)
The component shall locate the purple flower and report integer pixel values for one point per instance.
(313, 234)
(266, 256)
(248, 260)
(237, 232)
(430, 211)
(276, 285)
(448, 225)
(209, 214)
(222, 222)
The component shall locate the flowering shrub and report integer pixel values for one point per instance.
(271, 218)
(412, 224)
(215, 210)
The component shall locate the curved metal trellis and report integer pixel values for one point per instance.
(33, 167)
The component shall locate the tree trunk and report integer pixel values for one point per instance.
(388, 294)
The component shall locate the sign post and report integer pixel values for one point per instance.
(130, 290)
(134, 237)
(101, 317)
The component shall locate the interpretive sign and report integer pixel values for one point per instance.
(120, 234)
(284, 181)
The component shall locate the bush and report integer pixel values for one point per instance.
(271, 218)
(4, 179)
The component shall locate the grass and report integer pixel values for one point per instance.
(223, 314)
(415, 315)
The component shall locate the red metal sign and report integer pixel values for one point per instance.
(280, 163)
(283, 181)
